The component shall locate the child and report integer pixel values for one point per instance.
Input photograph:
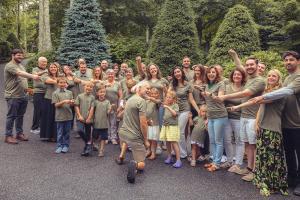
(153, 104)
(198, 134)
(102, 109)
(170, 131)
(84, 108)
(63, 100)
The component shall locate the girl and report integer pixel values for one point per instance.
(270, 174)
(170, 131)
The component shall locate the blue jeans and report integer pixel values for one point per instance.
(63, 133)
(216, 131)
(16, 108)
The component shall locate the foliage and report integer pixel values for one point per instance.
(50, 55)
(175, 36)
(238, 31)
(5, 49)
(83, 34)
(13, 40)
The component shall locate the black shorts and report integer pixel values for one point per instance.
(102, 133)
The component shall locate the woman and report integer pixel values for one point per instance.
(114, 95)
(217, 116)
(185, 98)
(128, 76)
(48, 125)
(237, 81)
(117, 71)
(97, 79)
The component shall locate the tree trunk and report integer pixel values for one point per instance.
(44, 26)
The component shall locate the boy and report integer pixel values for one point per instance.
(63, 100)
(102, 109)
(84, 108)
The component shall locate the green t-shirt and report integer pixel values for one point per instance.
(85, 103)
(199, 99)
(85, 77)
(50, 88)
(38, 86)
(198, 132)
(124, 88)
(182, 94)
(152, 112)
(233, 102)
(131, 129)
(257, 86)
(72, 87)
(215, 109)
(291, 115)
(63, 113)
(270, 115)
(169, 119)
(189, 75)
(101, 114)
(159, 84)
(112, 92)
(15, 86)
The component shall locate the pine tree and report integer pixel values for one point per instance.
(83, 35)
(175, 36)
(237, 31)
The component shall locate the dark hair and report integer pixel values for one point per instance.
(242, 71)
(149, 76)
(202, 71)
(16, 51)
(291, 53)
(253, 58)
(217, 79)
(174, 80)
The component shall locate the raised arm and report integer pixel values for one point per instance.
(235, 58)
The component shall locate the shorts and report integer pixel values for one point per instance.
(138, 150)
(170, 133)
(247, 130)
(102, 133)
(153, 133)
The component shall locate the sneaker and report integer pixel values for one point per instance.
(225, 165)
(193, 163)
(158, 150)
(234, 168)
(65, 150)
(168, 160)
(223, 159)
(243, 171)
(36, 131)
(249, 177)
(178, 164)
(58, 150)
(131, 171)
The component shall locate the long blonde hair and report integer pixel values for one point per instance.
(270, 88)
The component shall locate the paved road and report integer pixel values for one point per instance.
(31, 170)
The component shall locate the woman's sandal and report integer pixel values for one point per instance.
(213, 168)
(208, 165)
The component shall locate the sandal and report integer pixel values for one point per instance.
(213, 168)
(207, 165)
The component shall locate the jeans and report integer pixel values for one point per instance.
(184, 143)
(161, 112)
(16, 108)
(63, 133)
(216, 131)
(37, 110)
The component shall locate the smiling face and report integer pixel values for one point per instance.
(62, 83)
(186, 62)
(273, 78)
(42, 62)
(110, 75)
(237, 77)
(291, 63)
(88, 88)
(211, 74)
(104, 65)
(153, 70)
(197, 71)
(251, 66)
(101, 93)
(18, 57)
(177, 74)
(154, 93)
(53, 69)
(261, 69)
(129, 73)
(124, 67)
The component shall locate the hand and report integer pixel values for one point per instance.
(88, 121)
(232, 108)
(257, 100)
(146, 143)
(232, 52)
(219, 98)
(36, 77)
(165, 106)
(80, 118)
(113, 106)
(72, 101)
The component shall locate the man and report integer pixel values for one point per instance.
(261, 68)
(15, 84)
(134, 129)
(104, 65)
(38, 94)
(254, 87)
(186, 63)
(291, 116)
(82, 74)
(124, 67)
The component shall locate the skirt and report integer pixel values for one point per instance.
(48, 125)
(170, 133)
(153, 133)
(270, 173)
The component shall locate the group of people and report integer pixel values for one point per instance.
(195, 113)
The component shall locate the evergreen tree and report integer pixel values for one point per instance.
(175, 36)
(83, 35)
(14, 42)
(237, 31)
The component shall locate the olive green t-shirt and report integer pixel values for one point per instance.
(72, 87)
(257, 86)
(169, 119)
(64, 112)
(131, 128)
(233, 102)
(152, 112)
(182, 94)
(199, 99)
(270, 115)
(101, 113)
(85, 77)
(85, 103)
(291, 114)
(215, 109)
(198, 132)
(38, 86)
(50, 88)
(15, 86)
(189, 74)
(159, 84)
(124, 88)
(112, 92)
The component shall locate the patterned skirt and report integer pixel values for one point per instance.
(270, 169)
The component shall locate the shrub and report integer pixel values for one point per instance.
(5, 50)
(13, 40)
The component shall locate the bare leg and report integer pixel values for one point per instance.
(176, 149)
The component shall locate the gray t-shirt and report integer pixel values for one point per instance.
(189, 74)
(182, 94)
(50, 88)
(85, 102)
(131, 127)
(15, 86)
(257, 86)
(85, 77)
(101, 114)
(169, 119)
(233, 102)
(39, 86)
(198, 132)
(215, 109)
(199, 99)
(112, 92)
(159, 84)
(291, 115)
(64, 112)
(152, 112)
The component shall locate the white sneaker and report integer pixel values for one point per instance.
(36, 132)
(224, 159)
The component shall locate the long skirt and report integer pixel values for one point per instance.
(270, 171)
(48, 125)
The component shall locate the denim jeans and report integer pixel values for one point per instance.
(63, 133)
(16, 108)
(216, 128)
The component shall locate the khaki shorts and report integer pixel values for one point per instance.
(138, 150)
(247, 130)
